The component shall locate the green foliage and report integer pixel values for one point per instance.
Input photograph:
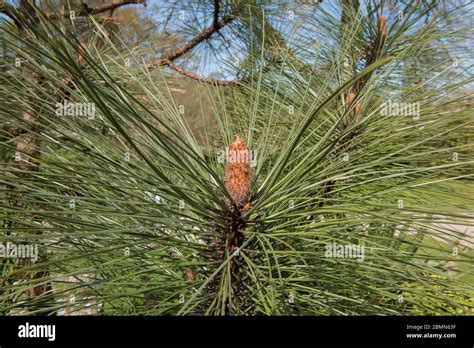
(134, 207)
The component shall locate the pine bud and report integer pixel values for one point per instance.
(237, 172)
(382, 25)
(349, 99)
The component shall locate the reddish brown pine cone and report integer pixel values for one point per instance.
(237, 171)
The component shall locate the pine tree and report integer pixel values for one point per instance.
(133, 215)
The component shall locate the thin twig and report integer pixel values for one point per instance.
(216, 14)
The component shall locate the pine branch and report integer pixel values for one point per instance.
(202, 36)
(86, 10)
(8, 10)
(230, 83)
(352, 112)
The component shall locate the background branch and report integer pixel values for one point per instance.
(85, 10)
(202, 36)
(216, 14)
